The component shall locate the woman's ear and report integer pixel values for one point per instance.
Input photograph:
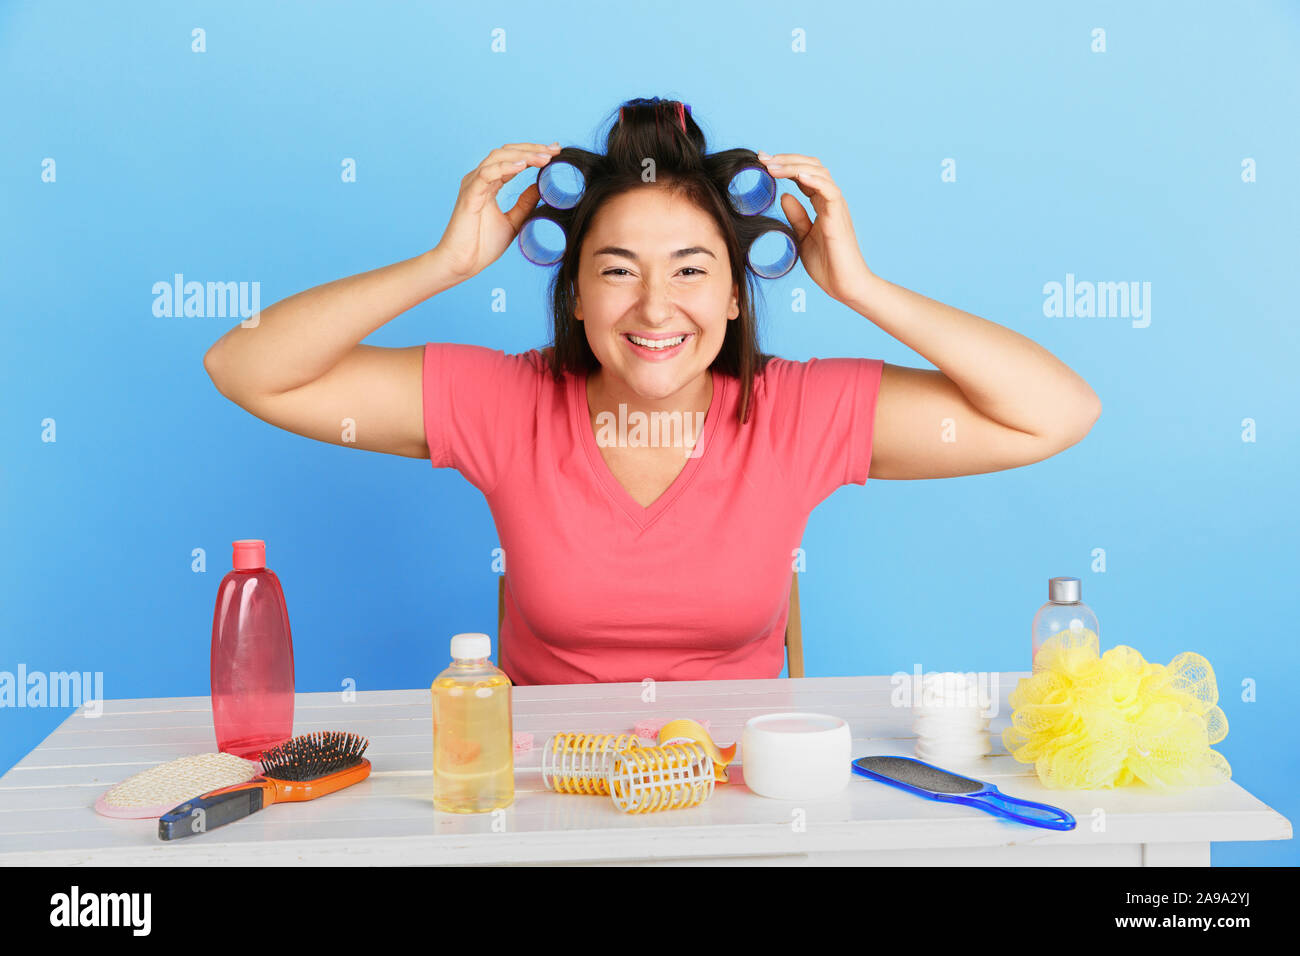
(733, 310)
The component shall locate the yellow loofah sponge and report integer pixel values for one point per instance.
(1088, 722)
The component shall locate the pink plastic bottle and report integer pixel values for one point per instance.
(252, 657)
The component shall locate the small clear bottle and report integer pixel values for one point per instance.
(473, 738)
(1064, 611)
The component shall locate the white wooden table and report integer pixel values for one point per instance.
(46, 814)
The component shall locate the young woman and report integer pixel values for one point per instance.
(628, 558)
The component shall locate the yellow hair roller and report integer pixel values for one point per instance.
(669, 777)
(580, 763)
(680, 772)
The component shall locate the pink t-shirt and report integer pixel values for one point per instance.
(694, 587)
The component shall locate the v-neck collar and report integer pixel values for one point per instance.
(643, 517)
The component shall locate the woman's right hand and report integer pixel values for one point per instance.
(479, 232)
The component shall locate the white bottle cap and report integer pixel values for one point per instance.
(468, 647)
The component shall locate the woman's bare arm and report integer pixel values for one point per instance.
(301, 366)
(997, 400)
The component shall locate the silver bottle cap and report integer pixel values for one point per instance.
(1064, 591)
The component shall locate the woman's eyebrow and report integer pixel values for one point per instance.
(629, 254)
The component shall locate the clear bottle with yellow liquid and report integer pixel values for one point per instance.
(473, 738)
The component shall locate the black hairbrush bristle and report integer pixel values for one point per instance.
(313, 755)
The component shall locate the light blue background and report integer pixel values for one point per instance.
(1122, 166)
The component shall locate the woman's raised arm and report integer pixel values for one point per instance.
(996, 399)
(301, 366)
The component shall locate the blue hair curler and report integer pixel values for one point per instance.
(772, 254)
(752, 191)
(561, 184)
(542, 241)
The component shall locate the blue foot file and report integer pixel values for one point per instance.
(933, 783)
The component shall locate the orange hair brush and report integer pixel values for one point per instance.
(302, 768)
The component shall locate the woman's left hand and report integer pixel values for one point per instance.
(828, 247)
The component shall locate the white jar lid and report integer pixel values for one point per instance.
(795, 723)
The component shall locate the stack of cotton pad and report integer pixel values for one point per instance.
(948, 720)
(153, 792)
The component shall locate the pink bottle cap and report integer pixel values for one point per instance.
(250, 554)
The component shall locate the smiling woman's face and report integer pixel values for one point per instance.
(654, 267)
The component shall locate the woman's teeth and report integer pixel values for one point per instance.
(657, 343)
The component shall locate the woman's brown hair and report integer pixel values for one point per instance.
(659, 135)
